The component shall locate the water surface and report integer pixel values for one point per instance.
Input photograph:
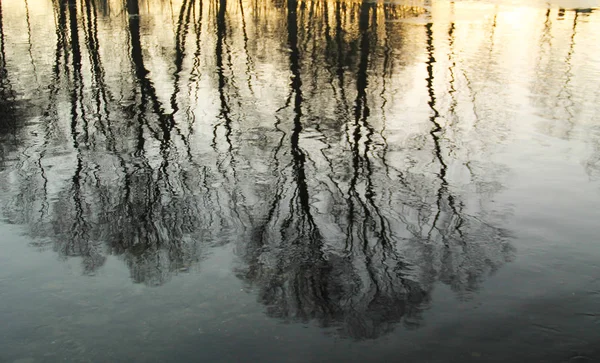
(299, 181)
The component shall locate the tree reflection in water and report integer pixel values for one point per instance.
(371, 259)
(336, 218)
(10, 107)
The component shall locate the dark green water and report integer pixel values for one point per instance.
(297, 181)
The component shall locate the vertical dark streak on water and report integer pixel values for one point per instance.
(452, 111)
(451, 70)
(76, 61)
(77, 89)
(60, 48)
(433, 119)
(166, 121)
(50, 114)
(195, 73)
(330, 65)
(146, 90)
(361, 108)
(146, 85)
(29, 42)
(362, 162)
(249, 61)
(331, 48)
(388, 68)
(180, 39)
(196, 14)
(298, 155)
(222, 48)
(328, 39)
(7, 96)
(140, 73)
(342, 107)
(547, 33)
(309, 285)
(224, 112)
(447, 253)
(435, 133)
(492, 37)
(101, 97)
(566, 89)
(79, 243)
(259, 239)
(228, 41)
(452, 94)
(384, 233)
(312, 34)
(341, 62)
(361, 111)
(545, 39)
(2, 48)
(45, 206)
(8, 122)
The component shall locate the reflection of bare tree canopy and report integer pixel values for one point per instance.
(6, 94)
(286, 255)
(8, 104)
(285, 128)
(567, 99)
(128, 194)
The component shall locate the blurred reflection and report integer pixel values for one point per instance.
(344, 148)
(7, 95)
(9, 108)
(348, 240)
(345, 272)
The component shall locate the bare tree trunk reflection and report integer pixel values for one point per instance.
(187, 148)
(7, 95)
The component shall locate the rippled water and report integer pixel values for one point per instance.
(299, 181)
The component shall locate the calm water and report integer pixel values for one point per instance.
(299, 181)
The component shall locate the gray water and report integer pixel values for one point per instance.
(299, 181)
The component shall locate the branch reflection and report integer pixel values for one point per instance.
(343, 147)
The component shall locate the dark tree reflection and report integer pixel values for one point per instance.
(278, 133)
(129, 194)
(12, 108)
(357, 246)
(7, 95)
